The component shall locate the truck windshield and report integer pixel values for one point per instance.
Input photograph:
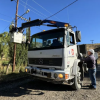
(48, 40)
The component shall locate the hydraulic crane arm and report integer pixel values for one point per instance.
(39, 22)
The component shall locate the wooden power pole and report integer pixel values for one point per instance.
(14, 59)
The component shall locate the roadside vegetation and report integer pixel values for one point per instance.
(6, 57)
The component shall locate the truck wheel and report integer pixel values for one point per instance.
(77, 81)
(82, 73)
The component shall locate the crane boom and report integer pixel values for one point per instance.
(39, 22)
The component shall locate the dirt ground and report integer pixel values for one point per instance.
(40, 90)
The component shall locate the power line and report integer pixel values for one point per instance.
(6, 15)
(14, 18)
(5, 28)
(28, 21)
(62, 9)
(33, 8)
(25, 7)
(39, 28)
(68, 15)
(43, 7)
(4, 20)
(8, 25)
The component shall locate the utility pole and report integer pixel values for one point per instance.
(29, 29)
(14, 59)
(92, 41)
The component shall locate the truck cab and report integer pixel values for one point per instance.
(53, 54)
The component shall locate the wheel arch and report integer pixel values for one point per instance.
(74, 68)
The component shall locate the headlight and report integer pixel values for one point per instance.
(60, 76)
(25, 70)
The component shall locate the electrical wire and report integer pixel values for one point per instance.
(14, 19)
(43, 8)
(5, 28)
(25, 7)
(33, 12)
(4, 20)
(39, 28)
(33, 8)
(62, 9)
(8, 25)
(6, 15)
(68, 15)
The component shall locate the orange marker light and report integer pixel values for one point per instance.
(52, 22)
(66, 76)
(66, 25)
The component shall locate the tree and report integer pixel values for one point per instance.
(21, 52)
(27, 33)
(4, 45)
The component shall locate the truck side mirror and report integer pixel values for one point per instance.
(78, 36)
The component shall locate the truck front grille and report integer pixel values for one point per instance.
(46, 61)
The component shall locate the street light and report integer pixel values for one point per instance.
(24, 13)
(28, 11)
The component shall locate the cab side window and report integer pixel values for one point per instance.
(70, 39)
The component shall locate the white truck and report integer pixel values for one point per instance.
(53, 54)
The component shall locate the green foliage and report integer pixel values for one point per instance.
(7, 49)
(11, 52)
(5, 62)
(4, 48)
(21, 52)
(27, 33)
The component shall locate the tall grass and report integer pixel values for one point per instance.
(8, 75)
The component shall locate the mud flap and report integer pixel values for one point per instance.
(80, 64)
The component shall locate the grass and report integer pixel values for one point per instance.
(4, 76)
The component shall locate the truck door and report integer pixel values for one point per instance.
(71, 48)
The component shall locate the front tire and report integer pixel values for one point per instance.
(77, 81)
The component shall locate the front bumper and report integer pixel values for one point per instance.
(47, 73)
